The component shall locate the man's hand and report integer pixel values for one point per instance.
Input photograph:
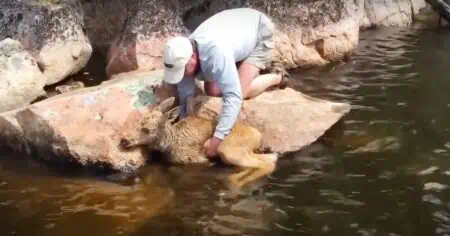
(211, 146)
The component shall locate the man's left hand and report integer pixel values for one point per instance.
(211, 146)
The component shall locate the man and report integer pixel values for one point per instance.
(227, 52)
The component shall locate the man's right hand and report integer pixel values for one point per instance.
(211, 145)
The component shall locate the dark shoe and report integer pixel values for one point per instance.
(278, 68)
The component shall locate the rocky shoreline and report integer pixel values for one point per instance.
(63, 36)
(45, 42)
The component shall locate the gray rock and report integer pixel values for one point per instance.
(148, 25)
(21, 81)
(390, 12)
(310, 33)
(104, 20)
(52, 31)
(69, 87)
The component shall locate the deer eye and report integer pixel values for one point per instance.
(145, 130)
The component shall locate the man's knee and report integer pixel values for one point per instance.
(248, 72)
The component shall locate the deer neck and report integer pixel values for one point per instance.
(167, 136)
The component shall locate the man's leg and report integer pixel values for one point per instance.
(262, 58)
(252, 83)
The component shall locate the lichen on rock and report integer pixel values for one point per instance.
(309, 33)
(21, 81)
(52, 31)
(148, 25)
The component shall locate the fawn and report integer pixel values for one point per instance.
(183, 141)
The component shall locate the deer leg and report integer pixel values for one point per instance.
(257, 165)
(267, 157)
(236, 181)
(238, 156)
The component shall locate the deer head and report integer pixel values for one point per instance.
(149, 126)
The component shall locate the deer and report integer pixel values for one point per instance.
(182, 142)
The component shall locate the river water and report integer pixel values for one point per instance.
(382, 170)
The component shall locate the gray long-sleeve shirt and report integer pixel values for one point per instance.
(222, 40)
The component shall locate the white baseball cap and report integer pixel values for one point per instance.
(177, 53)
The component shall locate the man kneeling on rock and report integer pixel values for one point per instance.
(227, 52)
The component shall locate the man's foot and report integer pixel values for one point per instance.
(278, 68)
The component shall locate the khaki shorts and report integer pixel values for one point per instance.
(261, 56)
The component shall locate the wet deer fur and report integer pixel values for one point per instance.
(183, 141)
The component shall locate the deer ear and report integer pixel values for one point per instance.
(173, 114)
(165, 105)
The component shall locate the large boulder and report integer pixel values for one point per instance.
(309, 33)
(52, 31)
(288, 120)
(390, 12)
(21, 81)
(85, 126)
(140, 44)
(104, 20)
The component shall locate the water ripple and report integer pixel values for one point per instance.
(382, 170)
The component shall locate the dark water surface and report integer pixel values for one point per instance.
(383, 170)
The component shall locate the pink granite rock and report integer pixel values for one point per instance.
(85, 126)
(51, 31)
(140, 44)
(288, 120)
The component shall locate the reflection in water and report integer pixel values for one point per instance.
(51, 205)
(382, 170)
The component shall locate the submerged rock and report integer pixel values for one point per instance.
(378, 145)
(148, 25)
(52, 31)
(21, 81)
(85, 126)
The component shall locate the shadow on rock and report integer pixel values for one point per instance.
(12, 138)
(43, 143)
